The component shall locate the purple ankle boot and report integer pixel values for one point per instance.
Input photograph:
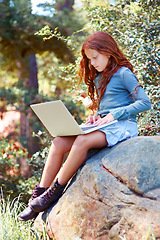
(28, 213)
(50, 196)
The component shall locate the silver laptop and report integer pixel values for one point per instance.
(58, 120)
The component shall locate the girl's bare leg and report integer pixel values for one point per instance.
(78, 147)
(59, 147)
(78, 153)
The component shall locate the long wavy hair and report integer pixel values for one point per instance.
(103, 43)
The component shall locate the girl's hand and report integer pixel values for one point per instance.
(107, 119)
(92, 119)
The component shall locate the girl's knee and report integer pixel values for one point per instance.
(62, 144)
(81, 141)
(58, 143)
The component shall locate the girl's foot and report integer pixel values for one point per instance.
(50, 196)
(28, 213)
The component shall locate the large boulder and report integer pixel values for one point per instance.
(115, 195)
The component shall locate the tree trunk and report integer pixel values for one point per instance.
(33, 80)
(27, 74)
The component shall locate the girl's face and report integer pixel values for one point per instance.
(98, 61)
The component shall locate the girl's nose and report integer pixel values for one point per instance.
(92, 62)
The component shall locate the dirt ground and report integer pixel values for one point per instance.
(8, 123)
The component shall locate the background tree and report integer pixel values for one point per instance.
(18, 46)
(25, 60)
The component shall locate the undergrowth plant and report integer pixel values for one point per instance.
(11, 228)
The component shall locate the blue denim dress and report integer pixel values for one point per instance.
(124, 98)
(120, 131)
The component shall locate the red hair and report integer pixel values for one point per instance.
(103, 43)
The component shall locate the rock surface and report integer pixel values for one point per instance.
(116, 195)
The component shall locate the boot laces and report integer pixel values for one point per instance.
(35, 193)
(51, 191)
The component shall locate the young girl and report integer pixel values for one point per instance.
(116, 93)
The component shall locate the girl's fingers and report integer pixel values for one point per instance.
(89, 119)
(92, 119)
(107, 119)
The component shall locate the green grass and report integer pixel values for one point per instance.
(10, 226)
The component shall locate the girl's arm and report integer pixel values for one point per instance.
(142, 102)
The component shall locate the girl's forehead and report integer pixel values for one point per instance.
(90, 52)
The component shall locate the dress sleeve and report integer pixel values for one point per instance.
(141, 101)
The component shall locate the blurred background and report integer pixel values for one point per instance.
(40, 44)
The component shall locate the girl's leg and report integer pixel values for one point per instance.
(59, 147)
(79, 147)
(78, 153)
